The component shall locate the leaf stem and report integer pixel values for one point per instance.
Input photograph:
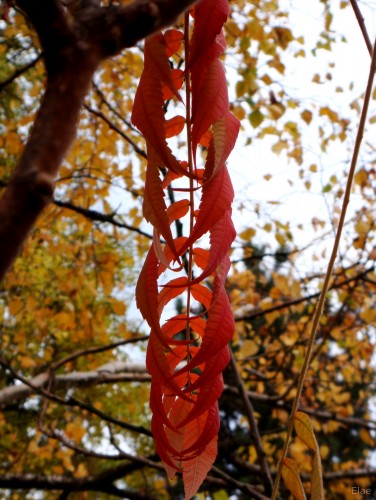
(325, 287)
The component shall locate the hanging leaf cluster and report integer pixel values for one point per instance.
(188, 351)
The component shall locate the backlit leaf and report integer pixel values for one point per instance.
(291, 478)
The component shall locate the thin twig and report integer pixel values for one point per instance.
(246, 488)
(325, 287)
(266, 475)
(94, 350)
(300, 300)
(94, 215)
(19, 72)
(360, 19)
(114, 127)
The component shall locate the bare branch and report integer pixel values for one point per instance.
(261, 455)
(19, 72)
(319, 414)
(106, 374)
(103, 117)
(50, 483)
(94, 215)
(262, 312)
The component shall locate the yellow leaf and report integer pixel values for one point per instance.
(280, 238)
(292, 480)
(332, 115)
(239, 112)
(304, 429)
(249, 348)
(75, 431)
(248, 234)
(324, 451)
(341, 398)
(317, 487)
(80, 471)
(276, 110)
(366, 437)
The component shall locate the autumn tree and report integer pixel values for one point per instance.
(75, 418)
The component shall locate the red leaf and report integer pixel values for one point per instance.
(213, 367)
(222, 235)
(219, 330)
(208, 395)
(158, 368)
(177, 77)
(209, 102)
(201, 257)
(154, 206)
(217, 195)
(202, 294)
(170, 290)
(147, 294)
(148, 112)
(173, 40)
(196, 469)
(210, 16)
(200, 431)
(161, 443)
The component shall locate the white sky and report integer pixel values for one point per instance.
(248, 165)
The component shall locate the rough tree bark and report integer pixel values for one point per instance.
(76, 36)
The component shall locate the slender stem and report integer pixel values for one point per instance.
(190, 169)
(325, 287)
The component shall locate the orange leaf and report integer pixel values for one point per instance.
(177, 77)
(292, 480)
(201, 257)
(174, 126)
(196, 470)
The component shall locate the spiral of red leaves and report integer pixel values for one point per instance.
(187, 352)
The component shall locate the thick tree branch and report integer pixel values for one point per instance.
(74, 44)
(129, 372)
